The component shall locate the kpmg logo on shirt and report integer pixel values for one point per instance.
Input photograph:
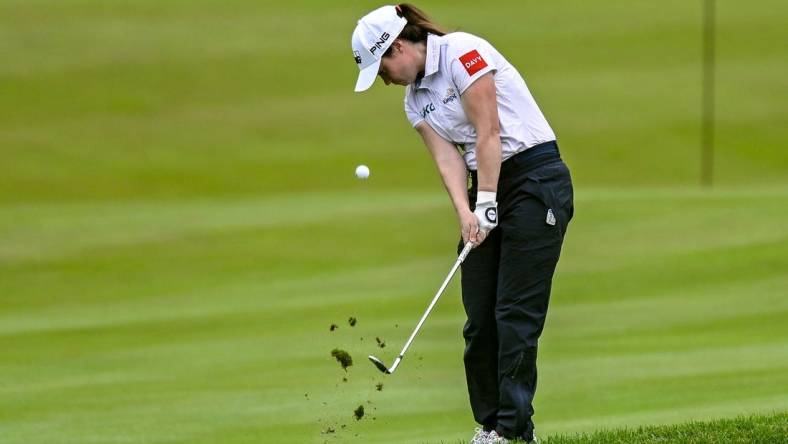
(427, 109)
(450, 96)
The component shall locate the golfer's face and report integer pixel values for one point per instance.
(396, 68)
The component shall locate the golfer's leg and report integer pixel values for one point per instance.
(530, 248)
(479, 282)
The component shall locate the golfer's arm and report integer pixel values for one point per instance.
(481, 106)
(451, 166)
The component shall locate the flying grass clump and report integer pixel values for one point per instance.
(342, 357)
(359, 412)
(333, 327)
(381, 342)
(379, 386)
(352, 321)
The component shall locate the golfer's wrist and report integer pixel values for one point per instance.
(485, 197)
(463, 212)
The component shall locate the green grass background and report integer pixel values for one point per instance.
(754, 429)
(180, 224)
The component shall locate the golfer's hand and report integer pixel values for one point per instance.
(469, 227)
(486, 214)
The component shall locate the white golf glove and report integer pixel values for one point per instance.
(486, 211)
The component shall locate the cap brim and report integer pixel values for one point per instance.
(367, 76)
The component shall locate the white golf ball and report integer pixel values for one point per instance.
(362, 171)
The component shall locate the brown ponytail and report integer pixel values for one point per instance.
(419, 25)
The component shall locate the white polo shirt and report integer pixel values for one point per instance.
(454, 62)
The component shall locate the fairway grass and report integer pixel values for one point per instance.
(198, 321)
(180, 224)
(755, 429)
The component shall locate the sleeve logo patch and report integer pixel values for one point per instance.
(473, 62)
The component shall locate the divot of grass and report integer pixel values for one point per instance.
(342, 357)
(359, 412)
(329, 430)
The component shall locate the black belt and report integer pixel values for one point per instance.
(529, 159)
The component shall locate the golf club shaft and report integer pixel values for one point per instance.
(446, 281)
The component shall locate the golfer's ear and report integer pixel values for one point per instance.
(397, 44)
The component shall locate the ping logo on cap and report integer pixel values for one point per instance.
(491, 214)
(473, 62)
(357, 57)
(379, 44)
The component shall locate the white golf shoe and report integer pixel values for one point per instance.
(494, 438)
(480, 436)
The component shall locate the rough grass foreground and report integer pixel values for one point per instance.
(756, 429)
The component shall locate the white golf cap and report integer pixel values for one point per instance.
(373, 35)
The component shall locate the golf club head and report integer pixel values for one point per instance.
(379, 364)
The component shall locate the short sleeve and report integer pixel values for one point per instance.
(413, 115)
(471, 59)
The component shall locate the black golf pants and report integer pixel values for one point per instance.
(506, 287)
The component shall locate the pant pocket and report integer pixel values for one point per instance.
(553, 187)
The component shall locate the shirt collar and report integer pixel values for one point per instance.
(433, 55)
(432, 62)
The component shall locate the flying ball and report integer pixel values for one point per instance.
(362, 171)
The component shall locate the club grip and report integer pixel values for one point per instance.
(465, 251)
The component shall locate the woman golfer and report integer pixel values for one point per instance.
(478, 118)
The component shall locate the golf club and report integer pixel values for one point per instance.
(378, 363)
